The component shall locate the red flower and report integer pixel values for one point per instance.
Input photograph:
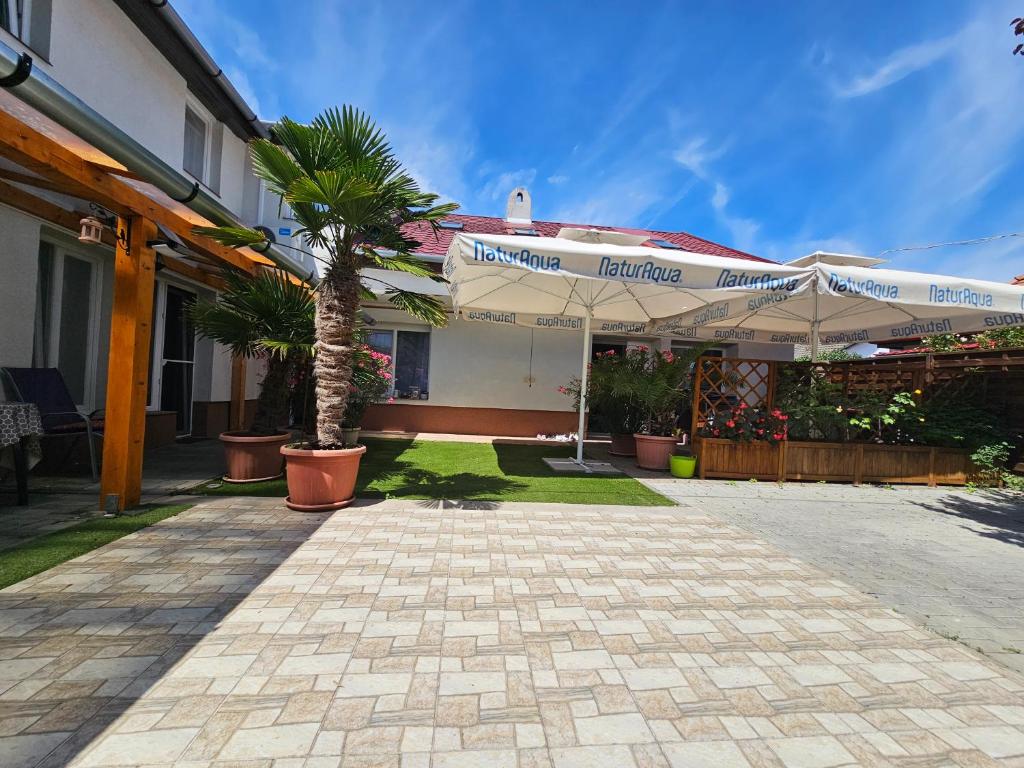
(777, 436)
(730, 423)
(743, 406)
(760, 431)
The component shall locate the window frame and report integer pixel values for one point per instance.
(18, 24)
(394, 331)
(208, 121)
(61, 250)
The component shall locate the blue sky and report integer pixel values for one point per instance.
(776, 128)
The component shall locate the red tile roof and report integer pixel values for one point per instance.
(494, 225)
(1018, 280)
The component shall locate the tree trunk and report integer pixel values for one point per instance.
(337, 304)
(273, 400)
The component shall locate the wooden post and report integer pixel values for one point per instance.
(236, 413)
(128, 364)
(781, 469)
(858, 465)
(931, 467)
(695, 415)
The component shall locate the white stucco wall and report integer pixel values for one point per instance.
(98, 54)
(488, 366)
(19, 262)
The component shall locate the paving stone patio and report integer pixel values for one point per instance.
(949, 559)
(404, 635)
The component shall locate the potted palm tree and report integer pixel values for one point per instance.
(266, 316)
(351, 198)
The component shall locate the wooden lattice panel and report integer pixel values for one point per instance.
(723, 383)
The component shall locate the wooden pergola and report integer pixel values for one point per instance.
(48, 157)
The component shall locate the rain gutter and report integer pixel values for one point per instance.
(43, 93)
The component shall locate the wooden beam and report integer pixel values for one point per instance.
(48, 158)
(236, 413)
(192, 272)
(128, 363)
(44, 209)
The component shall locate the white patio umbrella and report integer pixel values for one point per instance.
(850, 301)
(580, 278)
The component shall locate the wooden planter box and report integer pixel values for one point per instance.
(834, 462)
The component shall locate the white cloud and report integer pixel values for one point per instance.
(899, 65)
(499, 186)
(695, 156)
(557, 179)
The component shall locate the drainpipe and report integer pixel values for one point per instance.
(45, 94)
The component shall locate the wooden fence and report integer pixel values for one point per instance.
(994, 379)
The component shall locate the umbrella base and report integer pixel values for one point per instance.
(584, 467)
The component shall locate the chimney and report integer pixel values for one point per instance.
(517, 210)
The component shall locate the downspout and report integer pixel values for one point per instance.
(45, 94)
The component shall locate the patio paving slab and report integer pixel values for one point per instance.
(442, 634)
(950, 559)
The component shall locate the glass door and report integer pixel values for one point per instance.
(177, 357)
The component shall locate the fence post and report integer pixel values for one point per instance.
(858, 465)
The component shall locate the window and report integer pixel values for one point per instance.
(450, 224)
(66, 320)
(528, 231)
(666, 244)
(410, 358)
(412, 362)
(194, 161)
(29, 21)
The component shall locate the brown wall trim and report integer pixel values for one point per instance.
(506, 422)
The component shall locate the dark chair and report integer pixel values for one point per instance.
(45, 388)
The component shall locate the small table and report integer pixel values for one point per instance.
(20, 429)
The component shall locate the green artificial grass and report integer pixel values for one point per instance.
(40, 554)
(425, 469)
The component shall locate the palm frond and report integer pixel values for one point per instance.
(233, 237)
(429, 309)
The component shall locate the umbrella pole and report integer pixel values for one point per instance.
(583, 390)
(816, 322)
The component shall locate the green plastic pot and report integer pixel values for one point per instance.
(682, 466)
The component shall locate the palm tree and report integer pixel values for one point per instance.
(267, 316)
(351, 197)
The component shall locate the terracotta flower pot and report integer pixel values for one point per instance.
(251, 458)
(652, 451)
(321, 481)
(622, 445)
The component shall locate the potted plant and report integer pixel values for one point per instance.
(268, 317)
(607, 395)
(371, 381)
(661, 384)
(351, 198)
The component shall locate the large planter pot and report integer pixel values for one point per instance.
(321, 481)
(652, 451)
(251, 458)
(682, 466)
(622, 445)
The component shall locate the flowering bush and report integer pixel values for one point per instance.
(371, 381)
(745, 424)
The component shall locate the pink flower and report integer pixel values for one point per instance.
(390, 400)
(730, 423)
